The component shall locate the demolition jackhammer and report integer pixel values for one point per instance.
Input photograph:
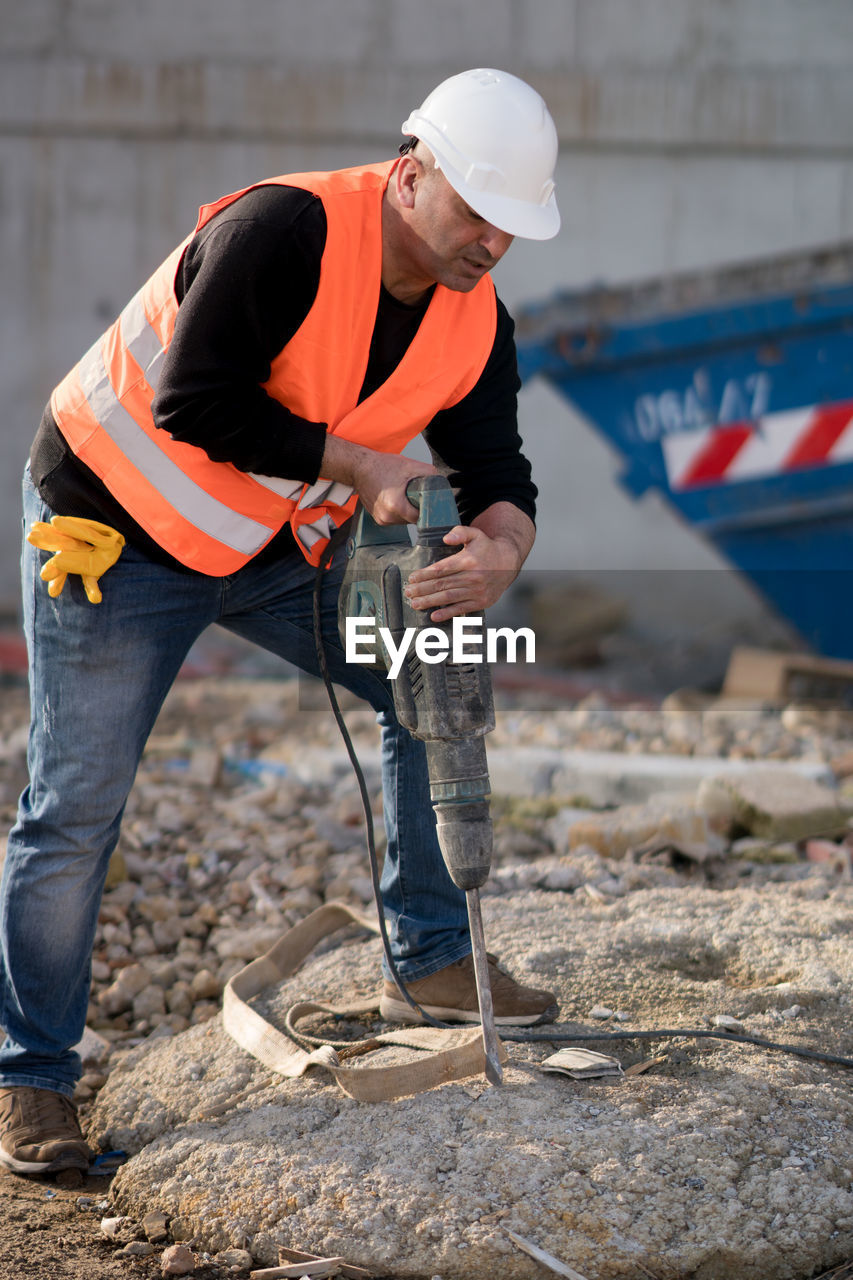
(446, 704)
(449, 706)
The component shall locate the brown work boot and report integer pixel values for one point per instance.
(40, 1132)
(451, 996)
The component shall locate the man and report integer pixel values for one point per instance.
(203, 450)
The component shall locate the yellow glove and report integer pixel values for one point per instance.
(81, 546)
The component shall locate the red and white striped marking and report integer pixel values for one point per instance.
(818, 435)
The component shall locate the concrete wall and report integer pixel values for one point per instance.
(692, 132)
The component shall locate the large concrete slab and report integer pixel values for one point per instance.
(724, 1162)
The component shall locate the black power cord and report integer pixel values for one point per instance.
(520, 1037)
(683, 1034)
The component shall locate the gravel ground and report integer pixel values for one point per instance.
(219, 844)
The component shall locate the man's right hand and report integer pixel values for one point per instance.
(379, 479)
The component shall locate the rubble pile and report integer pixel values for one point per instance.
(725, 906)
(709, 1158)
(245, 817)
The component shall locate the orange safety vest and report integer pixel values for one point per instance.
(209, 515)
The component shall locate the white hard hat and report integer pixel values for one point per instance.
(495, 142)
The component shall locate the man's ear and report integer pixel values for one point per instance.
(407, 173)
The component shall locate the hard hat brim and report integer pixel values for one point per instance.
(516, 217)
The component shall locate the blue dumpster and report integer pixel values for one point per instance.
(730, 391)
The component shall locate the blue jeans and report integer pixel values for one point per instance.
(98, 677)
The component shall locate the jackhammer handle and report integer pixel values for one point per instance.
(425, 484)
(437, 510)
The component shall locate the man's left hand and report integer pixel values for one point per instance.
(469, 580)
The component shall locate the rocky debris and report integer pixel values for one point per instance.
(225, 844)
(686, 723)
(840, 855)
(722, 1159)
(112, 1227)
(663, 822)
(177, 1260)
(774, 805)
(135, 1249)
(775, 808)
(836, 720)
(234, 1259)
(605, 778)
(155, 1224)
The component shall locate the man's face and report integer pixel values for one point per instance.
(452, 244)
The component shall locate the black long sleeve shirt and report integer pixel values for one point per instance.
(245, 284)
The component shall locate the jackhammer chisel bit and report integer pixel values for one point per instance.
(447, 704)
(494, 1070)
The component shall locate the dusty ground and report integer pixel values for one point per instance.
(54, 1233)
(50, 1233)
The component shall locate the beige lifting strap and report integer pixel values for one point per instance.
(451, 1054)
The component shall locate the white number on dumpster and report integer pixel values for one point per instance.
(693, 407)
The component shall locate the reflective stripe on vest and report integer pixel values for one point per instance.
(209, 515)
(214, 518)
